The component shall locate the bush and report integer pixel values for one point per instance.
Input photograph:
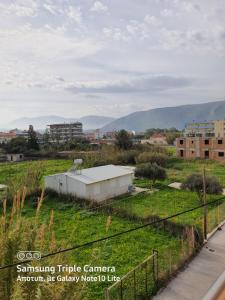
(194, 183)
(128, 157)
(151, 171)
(158, 158)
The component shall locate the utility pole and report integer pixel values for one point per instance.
(205, 206)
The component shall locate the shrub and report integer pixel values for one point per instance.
(151, 171)
(128, 157)
(194, 183)
(158, 158)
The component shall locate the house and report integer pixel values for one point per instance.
(14, 157)
(156, 139)
(94, 184)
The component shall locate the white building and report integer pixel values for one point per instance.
(15, 157)
(95, 184)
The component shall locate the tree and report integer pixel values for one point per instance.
(151, 171)
(46, 137)
(194, 183)
(32, 141)
(171, 137)
(16, 145)
(123, 140)
(152, 157)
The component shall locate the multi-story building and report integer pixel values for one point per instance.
(204, 140)
(62, 133)
(214, 128)
(20, 133)
(199, 129)
(219, 128)
(201, 147)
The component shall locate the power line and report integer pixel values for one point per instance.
(113, 235)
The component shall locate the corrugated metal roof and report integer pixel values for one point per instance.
(97, 174)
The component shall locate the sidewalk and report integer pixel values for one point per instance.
(194, 282)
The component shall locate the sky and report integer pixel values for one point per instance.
(109, 57)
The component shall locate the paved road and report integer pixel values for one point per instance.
(194, 282)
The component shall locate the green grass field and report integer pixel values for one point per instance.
(179, 169)
(75, 225)
(9, 171)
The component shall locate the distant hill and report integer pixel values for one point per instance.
(169, 117)
(89, 122)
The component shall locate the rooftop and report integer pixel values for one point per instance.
(97, 174)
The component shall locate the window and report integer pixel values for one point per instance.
(206, 142)
(221, 154)
(192, 142)
(181, 153)
(181, 142)
(192, 152)
(220, 142)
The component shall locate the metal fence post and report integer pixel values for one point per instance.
(205, 206)
(146, 277)
(155, 267)
(107, 294)
(121, 290)
(134, 285)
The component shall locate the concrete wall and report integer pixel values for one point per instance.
(15, 157)
(107, 189)
(63, 184)
(99, 191)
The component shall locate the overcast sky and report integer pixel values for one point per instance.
(109, 57)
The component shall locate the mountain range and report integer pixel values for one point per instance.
(89, 122)
(168, 117)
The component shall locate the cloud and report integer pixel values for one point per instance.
(52, 9)
(136, 85)
(152, 20)
(20, 8)
(202, 41)
(75, 14)
(167, 12)
(99, 7)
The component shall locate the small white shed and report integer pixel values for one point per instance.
(95, 184)
(15, 157)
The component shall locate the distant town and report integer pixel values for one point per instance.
(204, 140)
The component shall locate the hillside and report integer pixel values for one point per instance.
(169, 117)
(89, 122)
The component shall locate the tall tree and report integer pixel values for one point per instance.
(32, 140)
(123, 140)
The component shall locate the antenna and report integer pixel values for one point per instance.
(76, 166)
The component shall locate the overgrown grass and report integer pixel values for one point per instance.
(77, 226)
(179, 169)
(9, 171)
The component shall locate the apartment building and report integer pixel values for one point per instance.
(64, 132)
(204, 140)
(214, 128)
